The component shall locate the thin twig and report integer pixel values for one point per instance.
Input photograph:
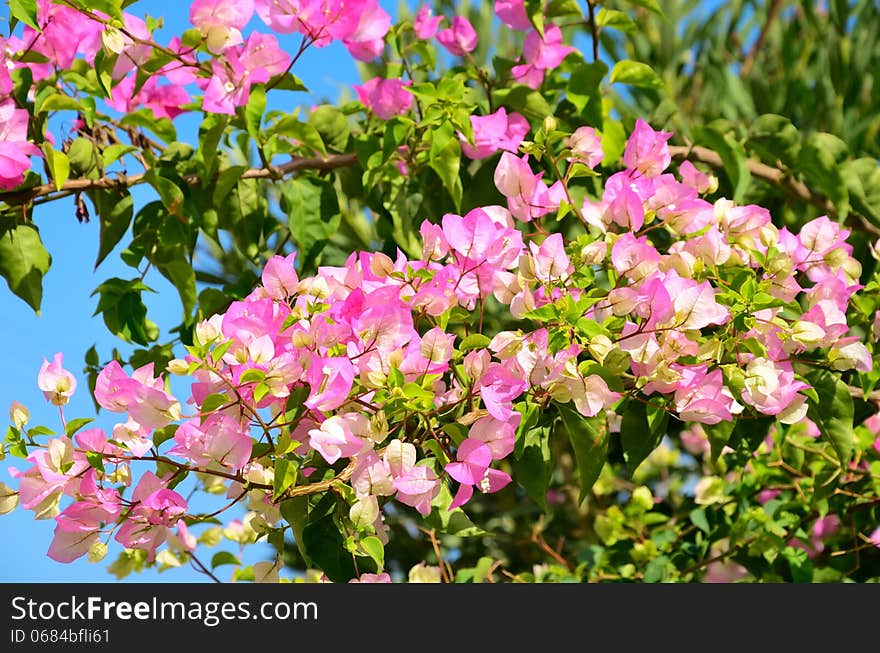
(749, 60)
(320, 163)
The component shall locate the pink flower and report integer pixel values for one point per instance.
(386, 98)
(164, 101)
(323, 21)
(279, 277)
(499, 436)
(57, 384)
(417, 488)
(472, 469)
(493, 132)
(221, 21)
(368, 39)
(426, 24)
(371, 578)
(15, 150)
(460, 38)
(253, 62)
(340, 436)
(330, 380)
(546, 53)
(586, 146)
(646, 150)
(551, 262)
(513, 14)
(156, 511)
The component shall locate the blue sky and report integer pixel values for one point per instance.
(65, 324)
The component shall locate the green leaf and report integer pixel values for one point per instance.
(635, 73)
(75, 425)
(164, 434)
(210, 133)
(223, 558)
(584, 90)
(25, 11)
(23, 262)
(557, 8)
(641, 429)
(589, 439)
(615, 19)
(295, 512)
(169, 192)
(374, 548)
(613, 141)
(732, 154)
(313, 215)
(527, 101)
(253, 112)
(326, 547)
(774, 137)
(182, 276)
(651, 5)
(535, 12)
(862, 177)
(285, 476)
(719, 435)
(302, 132)
(450, 522)
(214, 401)
(698, 519)
(445, 160)
(115, 210)
(474, 341)
(332, 125)
(532, 464)
(57, 102)
(834, 412)
(820, 158)
(95, 460)
(253, 375)
(112, 8)
(58, 164)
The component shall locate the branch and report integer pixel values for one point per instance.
(48, 192)
(858, 393)
(320, 486)
(778, 178)
(749, 60)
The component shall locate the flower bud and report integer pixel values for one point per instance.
(423, 573)
(112, 40)
(807, 333)
(381, 265)
(208, 330)
(600, 346)
(19, 414)
(364, 512)
(97, 551)
(177, 366)
(8, 499)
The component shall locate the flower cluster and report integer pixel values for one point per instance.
(361, 376)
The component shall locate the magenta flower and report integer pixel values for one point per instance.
(513, 14)
(386, 98)
(279, 277)
(472, 469)
(426, 23)
(646, 150)
(493, 132)
(460, 38)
